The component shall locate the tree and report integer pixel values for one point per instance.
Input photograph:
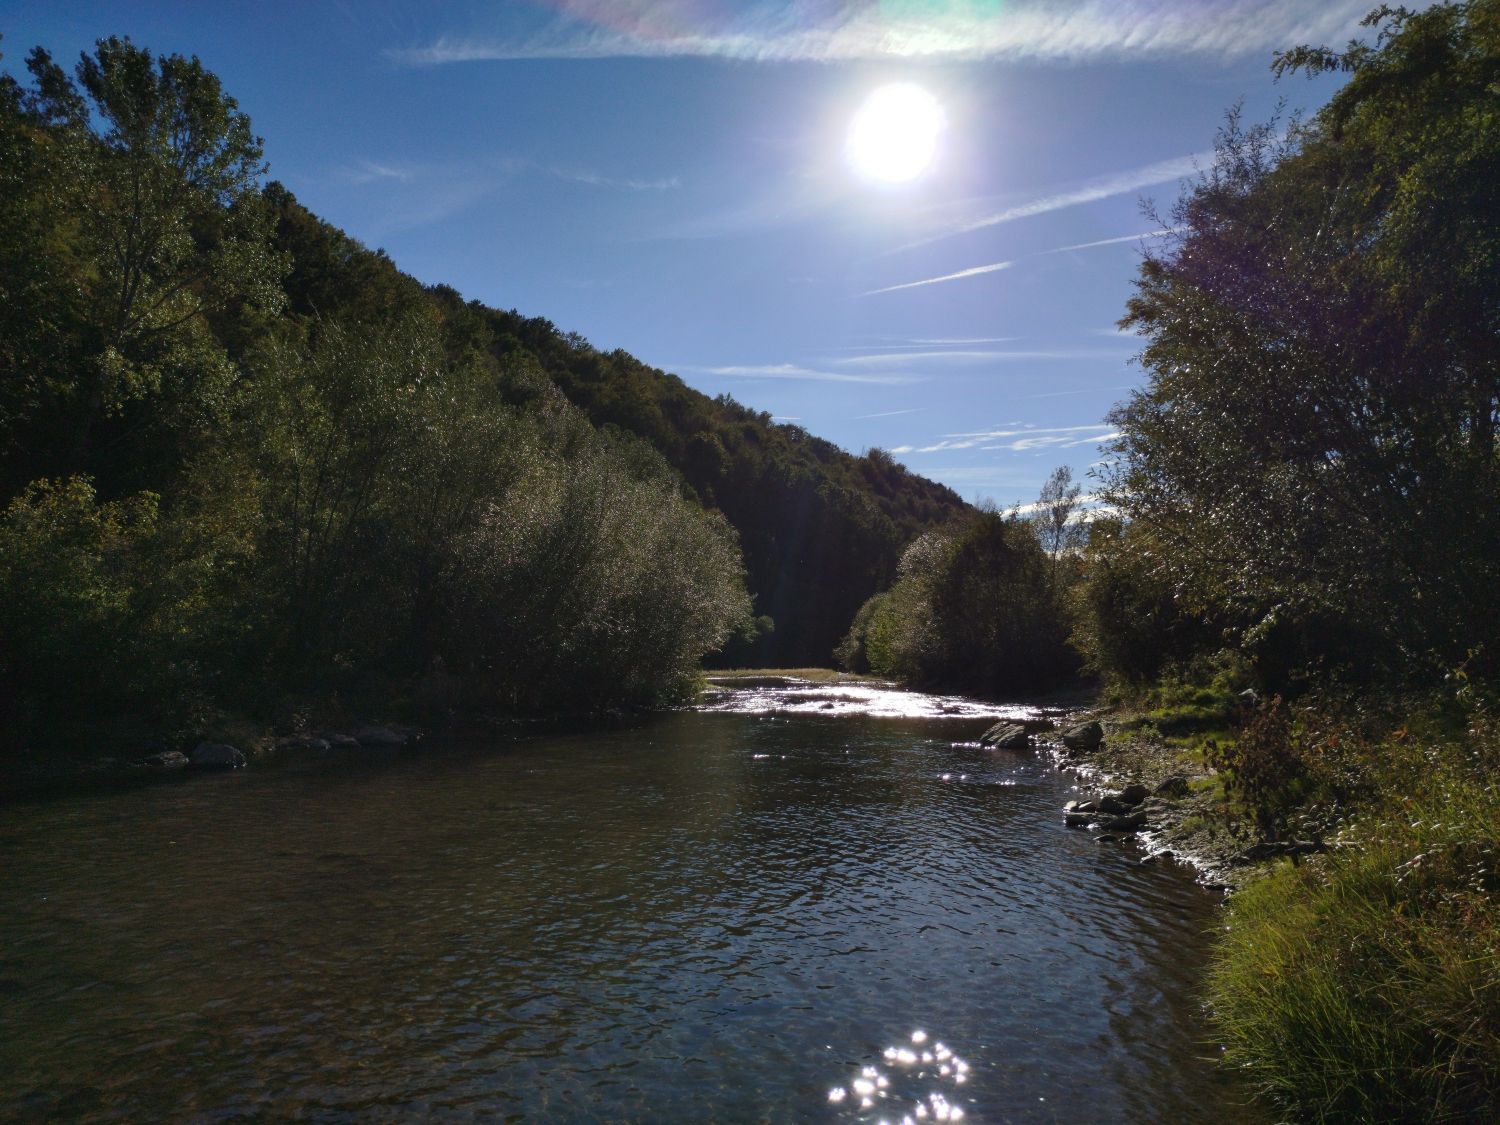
(149, 174)
(1053, 517)
(1315, 451)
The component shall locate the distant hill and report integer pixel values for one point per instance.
(821, 529)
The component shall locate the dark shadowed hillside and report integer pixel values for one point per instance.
(821, 529)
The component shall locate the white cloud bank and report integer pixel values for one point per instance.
(854, 30)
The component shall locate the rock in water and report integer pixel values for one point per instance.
(216, 756)
(1006, 736)
(1085, 736)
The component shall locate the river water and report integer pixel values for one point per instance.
(769, 910)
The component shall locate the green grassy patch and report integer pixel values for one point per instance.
(1365, 985)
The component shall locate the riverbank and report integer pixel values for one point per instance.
(1357, 974)
(1186, 816)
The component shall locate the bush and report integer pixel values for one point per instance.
(69, 570)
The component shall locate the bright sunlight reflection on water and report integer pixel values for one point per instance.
(874, 700)
(921, 1081)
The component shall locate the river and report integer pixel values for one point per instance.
(772, 909)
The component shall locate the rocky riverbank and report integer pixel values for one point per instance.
(215, 752)
(1138, 788)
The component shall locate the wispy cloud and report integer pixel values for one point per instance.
(793, 371)
(968, 357)
(594, 179)
(1100, 435)
(918, 343)
(1083, 500)
(1111, 241)
(889, 413)
(372, 171)
(818, 31)
(972, 271)
(1089, 191)
(1020, 440)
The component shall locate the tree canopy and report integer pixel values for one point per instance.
(1314, 457)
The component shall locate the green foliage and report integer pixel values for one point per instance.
(414, 519)
(1364, 986)
(1135, 617)
(1315, 456)
(69, 569)
(974, 608)
(821, 530)
(135, 249)
(315, 478)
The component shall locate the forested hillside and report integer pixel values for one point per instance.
(821, 529)
(244, 459)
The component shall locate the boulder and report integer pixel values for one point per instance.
(1133, 795)
(1084, 736)
(1078, 819)
(216, 756)
(1111, 803)
(1131, 822)
(166, 760)
(343, 742)
(1173, 787)
(1006, 736)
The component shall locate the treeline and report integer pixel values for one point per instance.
(1307, 492)
(820, 529)
(244, 461)
(1310, 475)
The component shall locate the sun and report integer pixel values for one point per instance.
(894, 135)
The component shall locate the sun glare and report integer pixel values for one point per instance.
(894, 135)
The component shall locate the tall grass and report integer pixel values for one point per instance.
(1366, 986)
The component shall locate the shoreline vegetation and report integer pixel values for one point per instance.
(257, 480)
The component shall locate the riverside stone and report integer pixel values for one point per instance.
(1006, 736)
(1084, 736)
(1175, 786)
(216, 756)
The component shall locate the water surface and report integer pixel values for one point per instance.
(748, 914)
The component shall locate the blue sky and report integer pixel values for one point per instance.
(671, 177)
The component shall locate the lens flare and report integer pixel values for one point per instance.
(894, 136)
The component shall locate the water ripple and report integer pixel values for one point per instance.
(709, 916)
